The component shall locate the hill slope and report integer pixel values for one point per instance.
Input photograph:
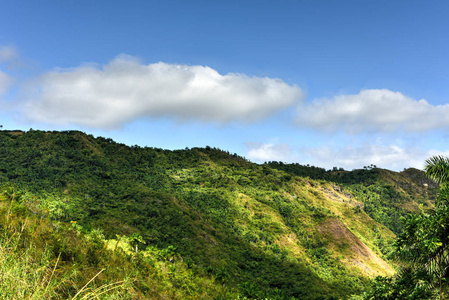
(260, 231)
(385, 195)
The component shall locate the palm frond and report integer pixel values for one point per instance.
(437, 168)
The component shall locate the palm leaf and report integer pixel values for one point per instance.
(437, 168)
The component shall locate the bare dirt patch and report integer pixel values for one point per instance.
(357, 254)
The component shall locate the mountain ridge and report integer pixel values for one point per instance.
(274, 231)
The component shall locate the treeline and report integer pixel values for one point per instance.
(367, 175)
(227, 227)
(387, 196)
(188, 199)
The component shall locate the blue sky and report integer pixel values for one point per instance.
(327, 83)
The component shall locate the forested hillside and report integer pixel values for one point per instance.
(202, 222)
(386, 195)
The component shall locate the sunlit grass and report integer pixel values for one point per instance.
(21, 275)
(88, 267)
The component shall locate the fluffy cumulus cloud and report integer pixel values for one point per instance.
(268, 152)
(373, 110)
(124, 90)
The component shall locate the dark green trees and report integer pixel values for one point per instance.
(422, 247)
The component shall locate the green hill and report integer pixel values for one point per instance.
(386, 196)
(230, 227)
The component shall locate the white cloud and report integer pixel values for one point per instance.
(123, 90)
(7, 53)
(373, 110)
(268, 152)
(5, 82)
(390, 157)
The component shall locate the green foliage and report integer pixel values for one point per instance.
(387, 197)
(437, 168)
(366, 175)
(406, 285)
(422, 247)
(200, 222)
(382, 202)
(47, 260)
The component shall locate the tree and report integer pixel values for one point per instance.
(406, 285)
(135, 239)
(422, 247)
(424, 242)
(437, 168)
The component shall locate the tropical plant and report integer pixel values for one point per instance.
(423, 247)
(437, 168)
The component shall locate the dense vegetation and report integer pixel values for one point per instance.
(41, 259)
(205, 222)
(422, 248)
(386, 196)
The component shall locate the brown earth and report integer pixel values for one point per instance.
(357, 254)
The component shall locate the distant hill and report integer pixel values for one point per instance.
(386, 195)
(275, 231)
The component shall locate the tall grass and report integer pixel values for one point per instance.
(22, 275)
(41, 259)
(30, 271)
(25, 276)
